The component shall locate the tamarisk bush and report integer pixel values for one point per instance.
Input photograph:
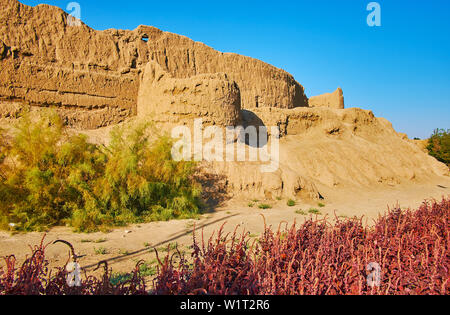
(49, 177)
(139, 182)
(316, 258)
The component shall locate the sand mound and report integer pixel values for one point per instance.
(324, 148)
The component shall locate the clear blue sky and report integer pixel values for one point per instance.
(400, 70)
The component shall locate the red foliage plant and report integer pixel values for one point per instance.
(35, 278)
(410, 248)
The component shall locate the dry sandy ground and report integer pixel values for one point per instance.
(126, 246)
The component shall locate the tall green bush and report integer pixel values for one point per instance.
(49, 177)
(4, 189)
(42, 179)
(141, 183)
(439, 145)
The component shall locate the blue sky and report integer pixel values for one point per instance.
(400, 70)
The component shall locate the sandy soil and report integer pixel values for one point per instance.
(126, 246)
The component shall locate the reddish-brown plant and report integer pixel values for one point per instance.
(411, 248)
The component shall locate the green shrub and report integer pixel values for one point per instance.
(50, 178)
(264, 206)
(48, 171)
(124, 252)
(168, 248)
(148, 269)
(145, 270)
(100, 251)
(439, 145)
(4, 188)
(291, 203)
(141, 183)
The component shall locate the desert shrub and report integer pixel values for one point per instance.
(100, 251)
(46, 168)
(49, 177)
(291, 203)
(141, 183)
(314, 211)
(439, 145)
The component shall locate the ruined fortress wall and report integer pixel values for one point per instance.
(331, 100)
(45, 61)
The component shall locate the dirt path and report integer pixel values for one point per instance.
(124, 247)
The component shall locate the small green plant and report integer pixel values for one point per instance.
(279, 198)
(291, 203)
(147, 244)
(100, 251)
(118, 278)
(86, 241)
(321, 205)
(51, 177)
(100, 240)
(170, 247)
(300, 212)
(147, 269)
(124, 252)
(251, 205)
(264, 206)
(314, 211)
